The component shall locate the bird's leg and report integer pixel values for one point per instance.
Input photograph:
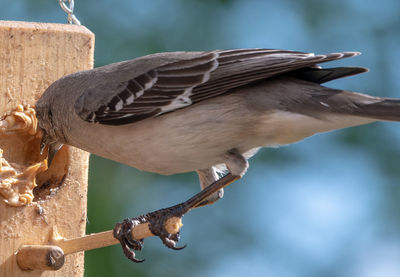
(237, 166)
(207, 177)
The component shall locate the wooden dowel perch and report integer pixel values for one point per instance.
(51, 257)
(97, 240)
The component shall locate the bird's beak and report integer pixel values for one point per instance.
(53, 147)
(43, 143)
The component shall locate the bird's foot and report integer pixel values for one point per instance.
(159, 222)
(122, 232)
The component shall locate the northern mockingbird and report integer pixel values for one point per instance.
(202, 111)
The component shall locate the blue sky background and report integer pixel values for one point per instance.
(327, 206)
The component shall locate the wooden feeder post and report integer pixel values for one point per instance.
(32, 56)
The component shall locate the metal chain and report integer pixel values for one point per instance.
(70, 11)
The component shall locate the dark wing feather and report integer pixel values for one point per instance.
(182, 83)
(323, 75)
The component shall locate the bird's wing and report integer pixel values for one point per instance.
(184, 82)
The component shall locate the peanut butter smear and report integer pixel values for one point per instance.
(17, 181)
(21, 120)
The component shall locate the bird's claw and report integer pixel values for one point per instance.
(170, 241)
(122, 232)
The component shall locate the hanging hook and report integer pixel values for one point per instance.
(70, 11)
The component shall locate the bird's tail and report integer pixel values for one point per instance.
(386, 109)
(309, 98)
(358, 104)
(315, 98)
(337, 109)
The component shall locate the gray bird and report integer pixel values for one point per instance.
(201, 111)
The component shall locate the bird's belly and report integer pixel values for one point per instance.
(166, 154)
(167, 149)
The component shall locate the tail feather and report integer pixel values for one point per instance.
(358, 104)
(310, 98)
(386, 109)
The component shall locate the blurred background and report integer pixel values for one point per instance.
(327, 206)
